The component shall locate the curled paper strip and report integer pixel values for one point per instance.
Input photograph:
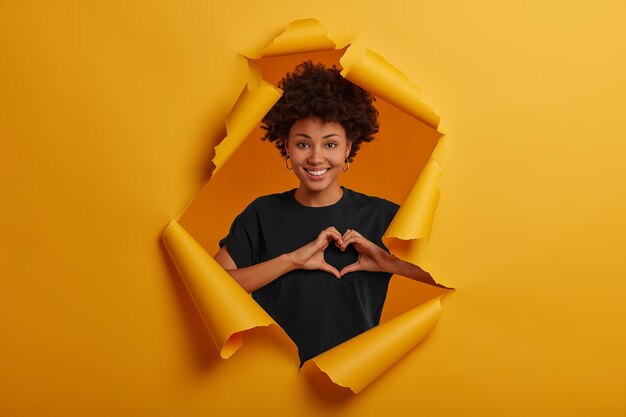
(359, 361)
(250, 107)
(372, 72)
(228, 310)
(415, 217)
(304, 35)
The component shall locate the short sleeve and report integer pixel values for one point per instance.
(242, 239)
(388, 211)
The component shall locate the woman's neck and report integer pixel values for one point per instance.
(318, 199)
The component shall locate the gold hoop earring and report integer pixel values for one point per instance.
(287, 163)
(346, 165)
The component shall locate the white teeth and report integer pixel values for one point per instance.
(317, 173)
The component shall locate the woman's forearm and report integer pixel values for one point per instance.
(253, 277)
(397, 266)
(309, 256)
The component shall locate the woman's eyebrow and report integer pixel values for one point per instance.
(330, 135)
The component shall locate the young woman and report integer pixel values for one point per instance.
(312, 257)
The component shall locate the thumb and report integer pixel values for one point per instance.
(350, 268)
(330, 269)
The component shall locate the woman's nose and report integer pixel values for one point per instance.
(316, 156)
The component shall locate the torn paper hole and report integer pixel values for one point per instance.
(407, 172)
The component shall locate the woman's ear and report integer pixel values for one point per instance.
(286, 146)
(349, 148)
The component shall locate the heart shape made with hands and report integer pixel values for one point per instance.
(339, 259)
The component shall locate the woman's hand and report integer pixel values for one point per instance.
(311, 256)
(371, 256)
(374, 258)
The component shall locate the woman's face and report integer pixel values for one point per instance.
(317, 151)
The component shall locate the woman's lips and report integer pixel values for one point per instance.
(316, 173)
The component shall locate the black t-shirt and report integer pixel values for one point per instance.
(317, 310)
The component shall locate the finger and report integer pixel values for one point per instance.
(335, 233)
(325, 237)
(333, 228)
(339, 238)
(332, 232)
(352, 240)
(350, 268)
(350, 232)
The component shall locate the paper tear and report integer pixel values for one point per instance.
(304, 35)
(258, 97)
(228, 310)
(372, 72)
(415, 217)
(357, 362)
(249, 109)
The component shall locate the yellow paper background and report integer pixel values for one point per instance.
(108, 119)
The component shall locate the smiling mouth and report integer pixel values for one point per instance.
(318, 172)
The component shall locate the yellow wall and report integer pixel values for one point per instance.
(108, 117)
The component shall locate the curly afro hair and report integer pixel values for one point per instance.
(313, 90)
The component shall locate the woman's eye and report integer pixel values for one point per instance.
(302, 145)
(331, 145)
